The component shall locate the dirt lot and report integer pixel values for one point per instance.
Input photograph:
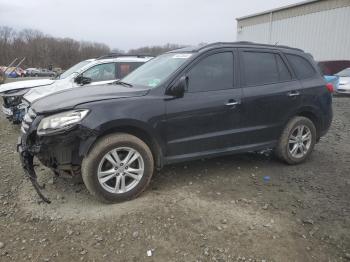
(211, 210)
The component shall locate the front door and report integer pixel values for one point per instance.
(206, 119)
(101, 74)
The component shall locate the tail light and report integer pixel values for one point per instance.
(330, 87)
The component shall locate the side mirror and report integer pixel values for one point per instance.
(179, 88)
(81, 80)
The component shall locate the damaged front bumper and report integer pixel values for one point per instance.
(27, 158)
(61, 152)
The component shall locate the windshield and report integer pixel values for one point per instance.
(157, 70)
(344, 73)
(73, 69)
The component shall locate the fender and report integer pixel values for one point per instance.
(308, 111)
(135, 127)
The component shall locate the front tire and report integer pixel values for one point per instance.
(118, 168)
(297, 141)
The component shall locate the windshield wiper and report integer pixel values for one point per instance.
(119, 82)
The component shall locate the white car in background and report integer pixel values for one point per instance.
(344, 81)
(18, 96)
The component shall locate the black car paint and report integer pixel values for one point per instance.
(69, 98)
(194, 126)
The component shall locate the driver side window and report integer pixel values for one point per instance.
(214, 72)
(102, 72)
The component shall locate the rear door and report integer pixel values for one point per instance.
(207, 118)
(270, 94)
(315, 97)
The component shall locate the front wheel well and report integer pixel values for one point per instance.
(141, 134)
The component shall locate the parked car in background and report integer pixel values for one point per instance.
(344, 81)
(192, 103)
(32, 71)
(93, 72)
(42, 72)
(332, 79)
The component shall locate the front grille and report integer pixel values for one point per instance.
(28, 120)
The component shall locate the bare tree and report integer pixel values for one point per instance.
(43, 50)
(155, 50)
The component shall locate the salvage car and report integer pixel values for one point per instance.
(103, 70)
(192, 103)
(344, 82)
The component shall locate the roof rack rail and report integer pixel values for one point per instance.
(246, 43)
(116, 55)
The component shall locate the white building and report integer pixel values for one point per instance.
(320, 27)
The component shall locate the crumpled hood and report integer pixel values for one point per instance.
(68, 99)
(41, 91)
(25, 84)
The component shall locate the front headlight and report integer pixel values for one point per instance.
(61, 121)
(10, 99)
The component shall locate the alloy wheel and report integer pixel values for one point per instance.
(299, 141)
(120, 170)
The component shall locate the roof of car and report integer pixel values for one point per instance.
(201, 48)
(125, 58)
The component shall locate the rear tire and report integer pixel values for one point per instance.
(110, 175)
(297, 141)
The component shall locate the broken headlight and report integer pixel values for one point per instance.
(60, 122)
(12, 100)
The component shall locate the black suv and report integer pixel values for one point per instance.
(191, 103)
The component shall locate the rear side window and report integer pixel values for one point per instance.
(214, 72)
(283, 72)
(302, 68)
(261, 68)
(124, 68)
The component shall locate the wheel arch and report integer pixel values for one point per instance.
(133, 128)
(312, 114)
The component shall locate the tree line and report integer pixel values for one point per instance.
(42, 50)
(154, 50)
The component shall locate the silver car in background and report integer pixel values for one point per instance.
(344, 81)
(18, 96)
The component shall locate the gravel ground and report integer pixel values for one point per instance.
(213, 210)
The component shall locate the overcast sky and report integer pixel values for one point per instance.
(134, 23)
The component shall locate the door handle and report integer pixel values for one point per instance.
(293, 93)
(232, 102)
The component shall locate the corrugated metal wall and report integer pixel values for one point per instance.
(325, 34)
